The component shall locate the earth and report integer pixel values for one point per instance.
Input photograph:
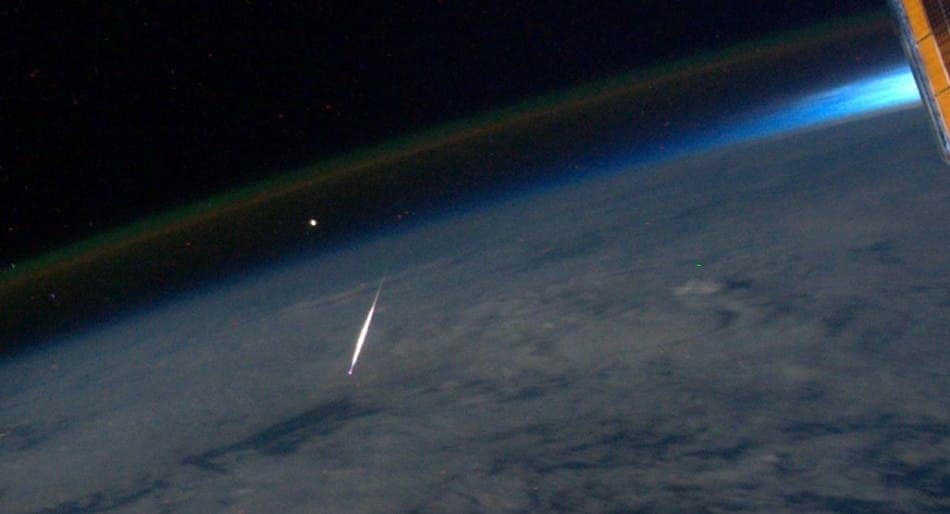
(756, 328)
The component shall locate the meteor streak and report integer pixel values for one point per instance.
(365, 329)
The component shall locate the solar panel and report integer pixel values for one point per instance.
(925, 31)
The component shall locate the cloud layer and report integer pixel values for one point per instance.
(758, 329)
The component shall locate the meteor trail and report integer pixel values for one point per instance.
(365, 329)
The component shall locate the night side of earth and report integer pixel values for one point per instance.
(759, 327)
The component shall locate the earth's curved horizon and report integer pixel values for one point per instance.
(759, 328)
(640, 114)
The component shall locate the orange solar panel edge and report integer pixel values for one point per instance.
(917, 19)
(933, 64)
(943, 104)
(925, 34)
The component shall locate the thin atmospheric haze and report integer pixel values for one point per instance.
(455, 256)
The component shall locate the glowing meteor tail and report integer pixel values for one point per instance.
(363, 331)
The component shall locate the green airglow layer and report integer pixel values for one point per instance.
(454, 132)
